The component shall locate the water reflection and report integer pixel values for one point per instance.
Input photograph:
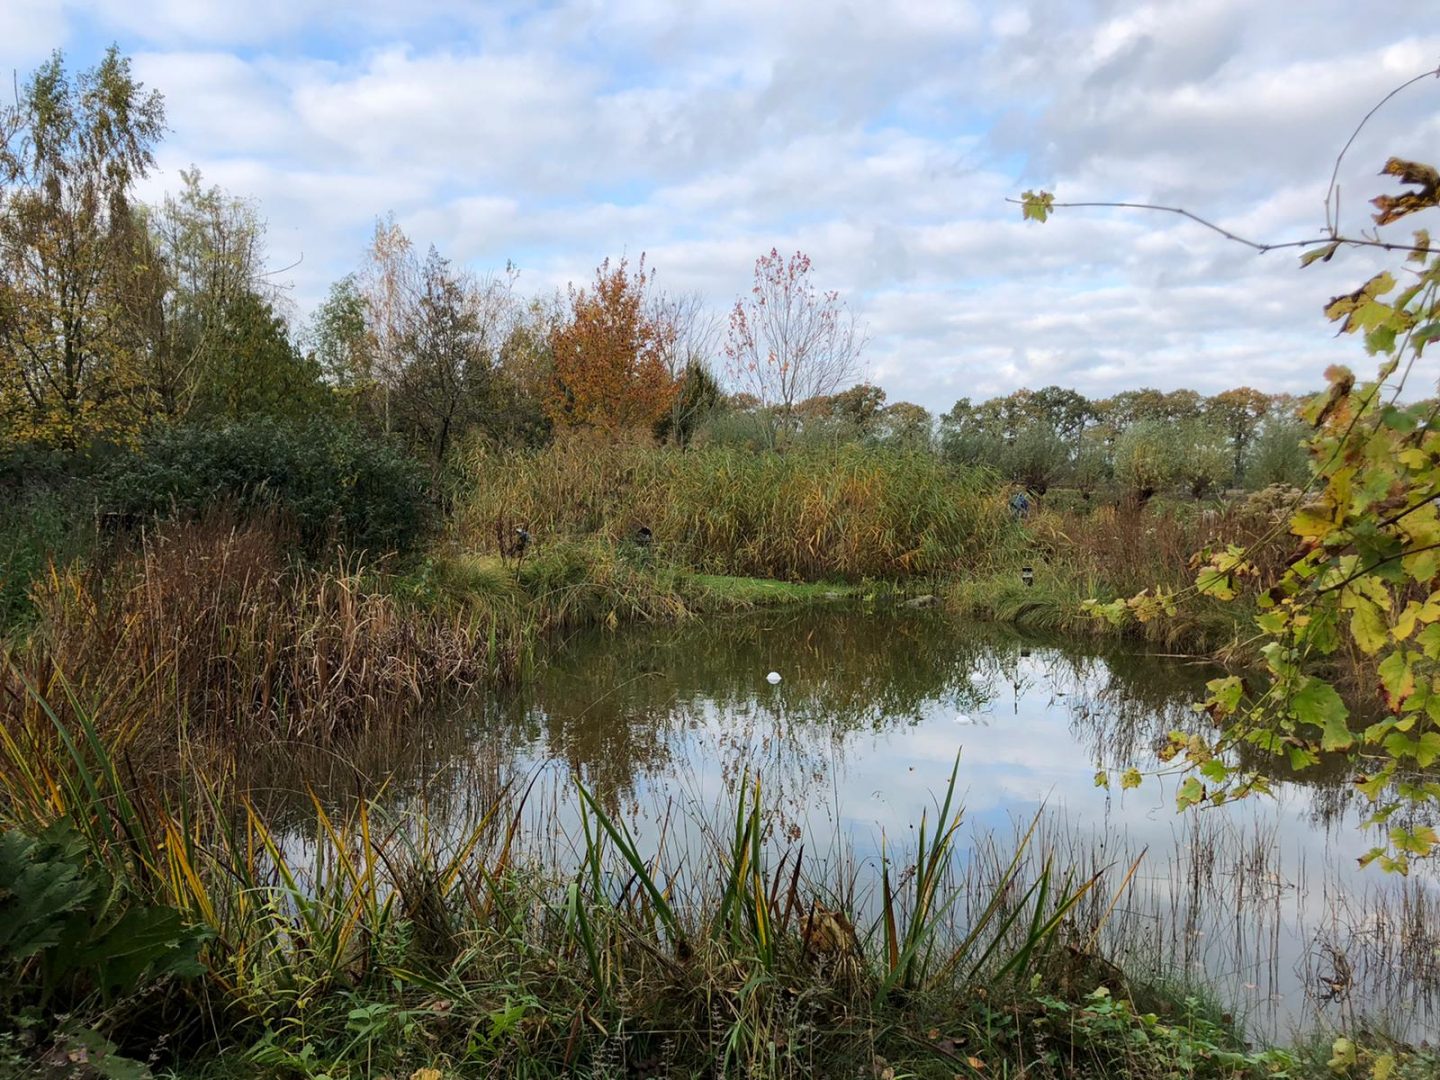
(1261, 898)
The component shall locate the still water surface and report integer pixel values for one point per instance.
(1262, 899)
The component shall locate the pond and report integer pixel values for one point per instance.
(1260, 901)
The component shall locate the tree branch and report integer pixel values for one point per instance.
(1347, 241)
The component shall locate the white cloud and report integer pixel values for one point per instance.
(881, 138)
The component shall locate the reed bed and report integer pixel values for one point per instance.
(1119, 550)
(844, 513)
(210, 629)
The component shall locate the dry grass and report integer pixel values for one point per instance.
(207, 628)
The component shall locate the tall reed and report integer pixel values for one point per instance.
(209, 628)
(825, 513)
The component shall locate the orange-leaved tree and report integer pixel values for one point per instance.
(609, 371)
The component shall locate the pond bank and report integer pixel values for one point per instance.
(585, 878)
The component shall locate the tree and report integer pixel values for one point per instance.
(338, 338)
(389, 283)
(1090, 465)
(203, 254)
(967, 437)
(907, 425)
(70, 153)
(254, 369)
(1277, 456)
(1238, 413)
(1066, 412)
(609, 371)
(788, 341)
(1203, 457)
(1034, 457)
(689, 340)
(446, 355)
(1147, 459)
(1132, 406)
(523, 373)
(698, 397)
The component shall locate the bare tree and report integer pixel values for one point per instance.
(788, 341)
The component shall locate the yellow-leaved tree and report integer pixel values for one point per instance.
(71, 149)
(1363, 576)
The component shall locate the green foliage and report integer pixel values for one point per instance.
(253, 369)
(1107, 1034)
(36, 528)
(1147, 459)
(71, 151)
(68, 930)
(332, 482)
(1362, 579)
(1278, 456)
(1204, 461)
(698, 398)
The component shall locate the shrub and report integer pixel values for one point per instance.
(37, 528)
(1147, 459)
(334, 484)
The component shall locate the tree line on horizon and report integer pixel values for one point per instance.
(119, 317)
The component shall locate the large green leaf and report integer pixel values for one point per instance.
(1318, 703)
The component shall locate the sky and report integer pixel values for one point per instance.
(881, 138)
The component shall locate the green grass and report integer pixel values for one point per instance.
(755, 592)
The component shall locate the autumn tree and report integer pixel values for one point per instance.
(609, 357)
(389, 282)
(71, 150)
(788, 341)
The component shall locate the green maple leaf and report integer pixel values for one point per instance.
(1317, 703)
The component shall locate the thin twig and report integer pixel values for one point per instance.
(1333, 190)
(1347, 241)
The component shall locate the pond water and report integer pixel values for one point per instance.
(1261, 900)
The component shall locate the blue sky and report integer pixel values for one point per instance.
(881, 138)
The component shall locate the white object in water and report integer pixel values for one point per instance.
(773, 678)
(961, 718)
